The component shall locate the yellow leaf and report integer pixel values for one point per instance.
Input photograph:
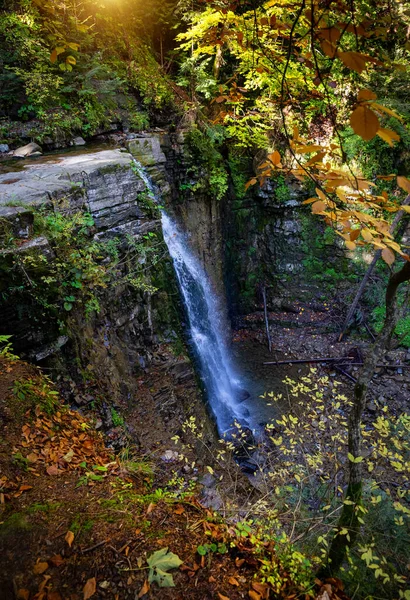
(70, 60)
(307, 149)
(254, 595)
(405, 208)
(318, 207)
(321, 195)
(388, 256)
(69, 538)
(366, 95)
(350, 245)
(367, 235)
(388, 111)
(353, 60)
(89, 588)
(364, 122)
(404, 183)
(389, 136)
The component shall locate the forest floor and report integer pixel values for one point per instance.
(309, 331)
(78, 522)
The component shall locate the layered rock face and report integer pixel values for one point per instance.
(133, 331)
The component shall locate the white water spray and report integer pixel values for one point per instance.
(205, 322)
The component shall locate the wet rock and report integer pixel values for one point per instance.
(79, 141)
(19, 221)
(27, 150)
(212, 499)
(208, 480)
(4, 148)
(242, 395)
(170, 456)
(98, 424)
(147, 150)
(49, 349)
(371, 407)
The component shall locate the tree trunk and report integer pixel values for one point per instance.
(350, 512)
(369, 271)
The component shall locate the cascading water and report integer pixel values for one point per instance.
(205, 323)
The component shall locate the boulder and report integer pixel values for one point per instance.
(4, 148)
(79, 141)
(27, 150)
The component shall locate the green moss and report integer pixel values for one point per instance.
(15, 522)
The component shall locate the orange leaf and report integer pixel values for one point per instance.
(254, 595)
(275, 158)
(69, 538)
(150, 508)
(404, 183)
(364, 122)
(388, 256)
(89, 588)
(53, 470)
(23, 594)
(53, 56)
(57, 560)
(328, 48)
(233, 581)
(222, 597)
(239, 561)
(40, 568)
(250, 182)
(366, 95)
(261, 588)
(53, 596)
(144, 590)
(179, 510)
(330, 34)
(353, 60)
(318, 207)
(309, 200)
(24, 488)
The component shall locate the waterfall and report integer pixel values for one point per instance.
(206, 330)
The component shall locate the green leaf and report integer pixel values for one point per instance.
(352, 459)
(202, 550)
(68, 306)
(160, 562)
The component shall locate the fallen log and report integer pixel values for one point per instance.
(306, 361)
(345, 361)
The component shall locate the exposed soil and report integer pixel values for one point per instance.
(309, 331)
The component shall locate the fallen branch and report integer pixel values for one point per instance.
(306, 361)
(265, 309)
